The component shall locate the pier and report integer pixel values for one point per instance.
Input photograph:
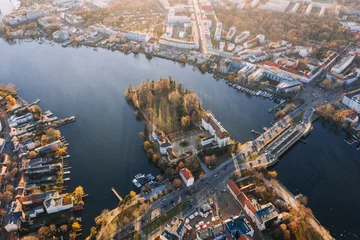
(116, 194)
(270, 145)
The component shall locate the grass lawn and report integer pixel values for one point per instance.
(298, 118)
(165, 217)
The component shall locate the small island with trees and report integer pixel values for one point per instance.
(175, 135)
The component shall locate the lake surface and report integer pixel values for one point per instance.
(105, 147)
(106, 150)
(327, 170)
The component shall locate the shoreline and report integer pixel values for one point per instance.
(43, 168)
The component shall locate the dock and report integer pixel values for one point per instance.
(116, 194)
(256, 132)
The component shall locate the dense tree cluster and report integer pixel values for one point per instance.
(295, 28)
(166, 104)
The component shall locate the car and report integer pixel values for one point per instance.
(216, 175)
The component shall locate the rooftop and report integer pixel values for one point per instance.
(186, 173)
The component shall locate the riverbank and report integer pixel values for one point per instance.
(35, 171)
(82, 68)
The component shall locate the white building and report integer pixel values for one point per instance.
(242, 37)
(343, 63)
(352, 101)
(135, 36)
(255, 41)
(187, 177)
(57, 204)
(275, 5)
(218, 31)
(218, 132)
(230, 33)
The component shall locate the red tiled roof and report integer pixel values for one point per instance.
(244, 237)
(234, 188)
(186, 173)
(352, 116)
(217, 129)
(246, 202)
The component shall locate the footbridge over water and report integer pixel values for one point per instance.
(265, 150)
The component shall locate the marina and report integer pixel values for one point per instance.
(142, 179)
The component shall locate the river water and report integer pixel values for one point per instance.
(105, 147)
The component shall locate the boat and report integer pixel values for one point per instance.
(47, 113)
(142, 179)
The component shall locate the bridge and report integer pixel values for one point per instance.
(270, 145)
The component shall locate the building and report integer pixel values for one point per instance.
(187, 177)
(351, 118)
(352, 101)
(175, 16)
(230, 34)
(33, 15)
(242, 37)
(231, 228)
(18, 121)
(262, 215)
(14, 217)
(135, 36)
(284, 81)
(219, 135)
(49, 147)
(218, 31)
(342, 73)
(275, 5)
(343, 63)
(255, 41)
(162, 140)
(175, 230)
(58, 204)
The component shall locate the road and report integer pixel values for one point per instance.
(217, 179)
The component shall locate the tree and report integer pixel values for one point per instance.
(203, 67)
(64, 228)
(75, 226)
(272, 174)
(52, 135)
(32, 154)
(175, 98)
(176, 183)
(181, 165)
(210, 160)
(10, 99)
(61, 151)
(185, 121)
(79, 193)
(132, 194)
(147, 145)
(156, 158)
(53, 229)
(2, 212)
(191, 102)
(44, 140)
(44, 232)
(36, 111)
